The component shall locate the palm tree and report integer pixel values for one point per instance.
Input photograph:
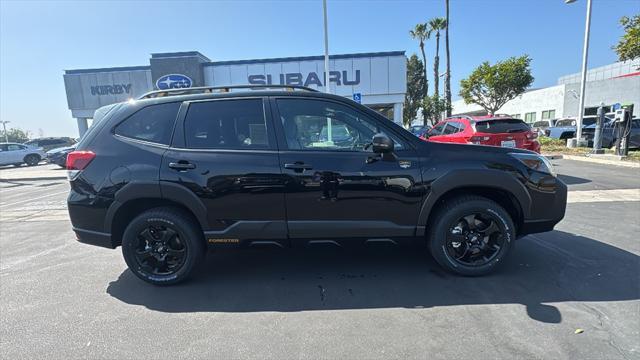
(447, 76)
(437, 24)
(422, 33)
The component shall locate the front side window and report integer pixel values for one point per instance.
(321, 125)
(226, 124)
(14, 147)
(437, 130)
(153, 123)
(452, 127)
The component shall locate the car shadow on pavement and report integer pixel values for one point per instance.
(572, 180)
(544, 268)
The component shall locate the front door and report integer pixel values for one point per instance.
(336, 186)
(224, 152)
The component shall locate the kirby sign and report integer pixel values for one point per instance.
(173, 81)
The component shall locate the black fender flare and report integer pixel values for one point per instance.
(477, 178)
(156, 190)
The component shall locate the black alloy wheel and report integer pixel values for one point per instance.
(163, 246)
(160, 251)
(470, 235)
(475, 239)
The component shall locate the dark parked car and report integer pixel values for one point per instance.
(58, 156)
(177, 171)
(49, 143)
(609, 134)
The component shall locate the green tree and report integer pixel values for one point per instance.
(16, 135)
(433, 107)
(628, 47)
(447, 76)
(491, 86)
(422, 33)
(435, 25)
(415, 89)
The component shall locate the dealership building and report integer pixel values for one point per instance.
(377, 80)
(618, 83)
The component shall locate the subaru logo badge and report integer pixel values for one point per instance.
(173, 81)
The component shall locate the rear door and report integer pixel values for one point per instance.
(224, 154)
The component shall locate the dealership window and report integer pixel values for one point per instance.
(530, 117)
(226, 124)
(548, 114)
(153, 123)
(323, 125)
(516, 116)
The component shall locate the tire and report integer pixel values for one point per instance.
(144, 257)
(32, 159)
(451, 221)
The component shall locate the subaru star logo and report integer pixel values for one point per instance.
(173, 81)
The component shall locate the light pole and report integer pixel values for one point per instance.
(583, 82)
(4, 126)
(327, 88)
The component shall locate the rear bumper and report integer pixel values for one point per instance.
(94, 238)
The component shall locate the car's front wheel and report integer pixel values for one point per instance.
(163, 246)
(471, 235)
(32, 159)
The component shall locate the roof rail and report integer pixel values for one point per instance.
(468, 117)
(219, 89)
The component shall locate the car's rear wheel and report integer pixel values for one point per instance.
(163, 246)
(32, 159)
(471, 235)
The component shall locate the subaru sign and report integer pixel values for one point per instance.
(173, 81)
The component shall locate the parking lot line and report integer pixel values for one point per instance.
(582, 196)
(32, 199)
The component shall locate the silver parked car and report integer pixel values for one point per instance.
(18, 154)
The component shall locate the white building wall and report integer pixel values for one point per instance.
(536, 101)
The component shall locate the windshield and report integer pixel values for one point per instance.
(495, 126)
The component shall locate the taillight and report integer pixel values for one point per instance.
(78, 161)
(532, 135)
(478, 139)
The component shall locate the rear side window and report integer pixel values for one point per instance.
(501, 126)
(153, 123)
(226, 124)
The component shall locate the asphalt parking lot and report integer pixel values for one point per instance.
(63, 299)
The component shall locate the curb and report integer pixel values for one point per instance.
(628, 164)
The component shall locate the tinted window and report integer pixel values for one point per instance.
(14, 147)
(437, 130)
(452, 127)
(541, 123)
(322, 125)
(565, 122)
(588, 121)
(496, 126)
(226, 124)
(153, 123)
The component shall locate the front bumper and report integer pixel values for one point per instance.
(552, 214)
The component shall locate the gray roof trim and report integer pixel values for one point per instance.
(306, 58)
(179, 54)
(113, 69)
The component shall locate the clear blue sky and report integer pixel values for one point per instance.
(38, 40)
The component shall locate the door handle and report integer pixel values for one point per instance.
(298, 166)
(182, 165)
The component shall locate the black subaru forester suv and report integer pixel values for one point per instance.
(175, 172)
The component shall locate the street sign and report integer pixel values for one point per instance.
(357, 97)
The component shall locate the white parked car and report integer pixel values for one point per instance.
(18, 154)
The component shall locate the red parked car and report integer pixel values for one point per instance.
(492, 130)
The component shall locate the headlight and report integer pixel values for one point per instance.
(535, 162)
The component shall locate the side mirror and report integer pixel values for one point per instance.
(382, 144)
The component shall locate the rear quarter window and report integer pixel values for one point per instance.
(501, 126)
(153, 123)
